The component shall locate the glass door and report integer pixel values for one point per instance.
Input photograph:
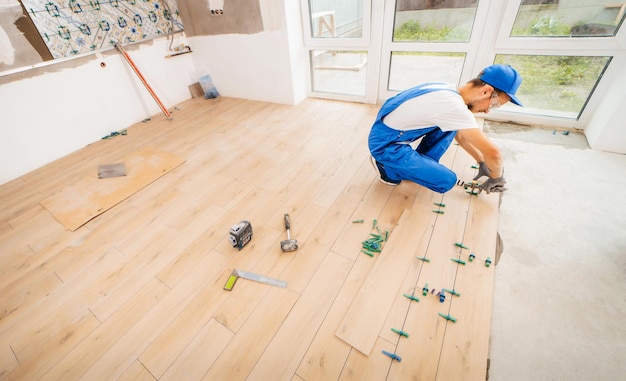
(368, 50)
(428, 41)
(338, 37)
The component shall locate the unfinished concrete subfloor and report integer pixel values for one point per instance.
(560, 295)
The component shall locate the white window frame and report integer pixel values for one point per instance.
(371, 27)
(488, 39)
(566, 46)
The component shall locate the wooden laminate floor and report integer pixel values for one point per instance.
(137, 292)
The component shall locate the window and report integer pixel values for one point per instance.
(428, 21)
(555, 85)
(409, 69)
(338, 72)
(338, 47)
(554, 18)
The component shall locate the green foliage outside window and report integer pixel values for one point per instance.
(413, 30)
(560, 83)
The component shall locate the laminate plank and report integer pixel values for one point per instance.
(8, 361)
(69, 332)
(346, 167)
(198, 357)
(426, 329)
(144, 263)
(368, 311)
(245, 297)
(184, 328)
(176, 270)
(136, 372)
(48, 317)
(466, 347)
(15, 262)
(243, 351)
(140, 336)
(374, 367)
(354, 233)
(293, 200)
(304, 264)
(327, 354)
(303, 321)
(105, 233)
(105, 336)
(30, 226)
(26, 289)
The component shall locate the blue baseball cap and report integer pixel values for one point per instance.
(503, 78)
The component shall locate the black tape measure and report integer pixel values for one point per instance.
(240, 234)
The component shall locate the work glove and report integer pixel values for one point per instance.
(482, 170)
(493, 185)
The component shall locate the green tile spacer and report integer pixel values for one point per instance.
(400, 332)
(458, 261)
(358, 221)
(367, 252)
(448, 317)
(487, 262)
(475, 166)
(438, 211)
(374, 224)
(423, 259)
(439, 204)
(452, 292)
(425, 289)
(471, 257)
(461, 245)
(413, 298)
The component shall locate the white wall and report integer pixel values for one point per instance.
(49, 115)
(63, 107)
(606, 129)
(253, 67)
(268, 66)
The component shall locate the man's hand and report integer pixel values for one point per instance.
(482, 170)
(493, 185)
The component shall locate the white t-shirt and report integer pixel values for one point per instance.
(445, 109)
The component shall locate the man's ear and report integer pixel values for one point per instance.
(486, 88)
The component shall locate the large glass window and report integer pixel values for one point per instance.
(336, 18)
(434, 21)
(338, 43)
(555, 85)
(338, 71)
(562, 48)
(409, 69)
(576, 18)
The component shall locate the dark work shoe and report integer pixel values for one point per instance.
(382, 175)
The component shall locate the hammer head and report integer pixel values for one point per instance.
(289, 245)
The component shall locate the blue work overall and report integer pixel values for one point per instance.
(401, 162)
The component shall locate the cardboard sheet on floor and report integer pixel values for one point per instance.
(78, 203)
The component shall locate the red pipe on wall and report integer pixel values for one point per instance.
(143, 80)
